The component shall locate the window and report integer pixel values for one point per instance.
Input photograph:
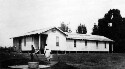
(105, 44)
(74, 43)
(57, 41)
(54, 30)
(85, 42)
(110, 24)
(97, 44)
(24, 41)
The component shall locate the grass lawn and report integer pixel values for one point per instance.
(81, 61)
(94, 60)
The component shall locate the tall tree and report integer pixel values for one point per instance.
(113, 17)
(81, 29)
(95, 29)
(64, 27)
(112, 25)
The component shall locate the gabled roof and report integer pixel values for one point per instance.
(40, 31)
(87, 37)
(68, 35)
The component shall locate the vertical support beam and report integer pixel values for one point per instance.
(33, 41)
(112, 47)
(39, 43)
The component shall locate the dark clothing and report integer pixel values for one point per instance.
(33, 50)
(32, 59)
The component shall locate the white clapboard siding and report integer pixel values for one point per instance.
(51, 40)
(91, 46)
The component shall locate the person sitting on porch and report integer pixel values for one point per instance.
(47, 53)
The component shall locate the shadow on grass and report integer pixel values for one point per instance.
(62, 65)
(92, 60)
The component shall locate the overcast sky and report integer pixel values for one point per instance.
(21, 16)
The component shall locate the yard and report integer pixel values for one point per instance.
(80, 61)
(95, 60)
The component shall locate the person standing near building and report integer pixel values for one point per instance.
(47, 53)
(32, 51)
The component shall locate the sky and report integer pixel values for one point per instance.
(20, 16)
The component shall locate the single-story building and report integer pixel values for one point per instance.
(60, 41)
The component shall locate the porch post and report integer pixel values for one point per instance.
(39, 43)
(112, 47)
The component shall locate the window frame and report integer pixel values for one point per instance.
(85, 42)
(96, 44)
(74, 43)
(57, 40)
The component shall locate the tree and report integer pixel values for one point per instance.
(112, 25)
(113, 18)
(81, 29)
(64, 27)
(95, 29)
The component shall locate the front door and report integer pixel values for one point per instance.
(43, 43)
(19, 45)
(110, 47)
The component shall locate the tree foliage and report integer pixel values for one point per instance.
(81, 29)
(64, 27)
(113, 17)
(112, 25)
(95, 29)
(6, 49)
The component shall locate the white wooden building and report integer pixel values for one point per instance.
(60, 41)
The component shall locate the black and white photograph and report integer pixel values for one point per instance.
(62, 34)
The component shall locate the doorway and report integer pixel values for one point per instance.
(20, 45)
(43, 43)
(110, 47)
